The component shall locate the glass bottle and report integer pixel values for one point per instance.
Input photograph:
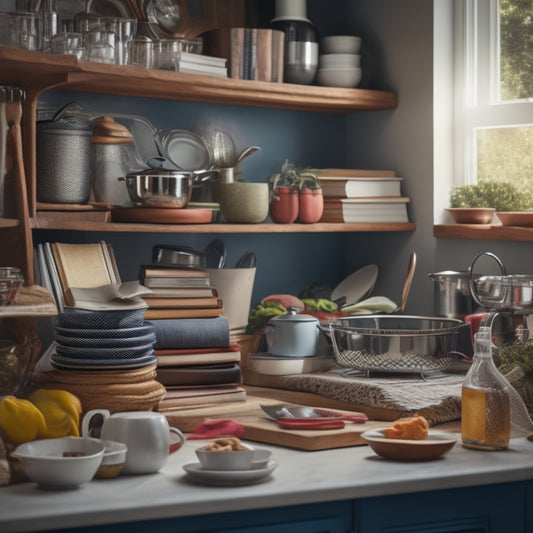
(486, 408)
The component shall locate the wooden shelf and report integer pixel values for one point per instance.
(9, 223)
(38, 71)
(81, 222)
(485, 232)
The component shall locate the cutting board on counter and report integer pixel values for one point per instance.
(258, 427)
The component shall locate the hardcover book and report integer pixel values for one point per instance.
(360, 187)
(366, 210)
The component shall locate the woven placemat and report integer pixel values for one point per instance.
(438, 397)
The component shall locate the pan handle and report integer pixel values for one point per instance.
(473, 289)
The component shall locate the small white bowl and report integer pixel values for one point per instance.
(113, 460)
(238, 460)
(50, 464)
(339, 77)
(339, 61)
(340, 44)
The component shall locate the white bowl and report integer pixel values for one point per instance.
(339, 77)
(339, 61)
(113, 460)
(213, 460)
(340, 44)
(44, 461)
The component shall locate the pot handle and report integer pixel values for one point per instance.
(204, 176)
(473, 289)
(90, 428)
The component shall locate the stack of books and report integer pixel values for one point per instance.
(179, 293)
(196, 363)
(201, 64)
(362, 196)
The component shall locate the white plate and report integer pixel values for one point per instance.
(357, 285)
(228, 477)
(275, 365)
(187, 150)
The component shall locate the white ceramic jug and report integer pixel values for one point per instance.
(146, 434)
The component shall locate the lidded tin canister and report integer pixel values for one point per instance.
(63, 155)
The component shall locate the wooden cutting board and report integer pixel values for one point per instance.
(258, 427)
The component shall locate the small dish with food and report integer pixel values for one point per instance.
(226, 453)
(409, 440)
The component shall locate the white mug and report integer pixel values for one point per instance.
(146, 434)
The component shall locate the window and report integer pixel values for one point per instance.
(494, 91)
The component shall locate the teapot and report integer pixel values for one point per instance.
(145, 433)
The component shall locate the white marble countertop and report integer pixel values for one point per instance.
(301, 477)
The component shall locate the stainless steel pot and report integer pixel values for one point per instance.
(452, 296)
(392, 343)
(163, 188)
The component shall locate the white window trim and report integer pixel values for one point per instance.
(474, 99)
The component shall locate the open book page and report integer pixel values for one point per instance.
(111, 297)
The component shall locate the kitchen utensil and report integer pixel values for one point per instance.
(113, 460)
(505, 292)
(356, 286)
(282, 411)
(222, 148)
(63, 157)
(246, 260)
(394, 343)
(248, 151)
(275, 365)
(452, 296)
(186, 150)
(225, 460)
(215, 254)
(408, 281)
(145, 433)
(228, 477)
(161, 188)
(292, 334)
(183, 256)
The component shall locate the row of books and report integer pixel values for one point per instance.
(179, 293)
(201, 64)
(362, 196)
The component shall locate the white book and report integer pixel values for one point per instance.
(189, 57)
(190, 68)
(360, 187)
(366, 210)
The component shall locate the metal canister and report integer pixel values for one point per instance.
(452, 296)
(63, 160)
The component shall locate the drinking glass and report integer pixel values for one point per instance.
(141, 52)
(25, 30)
(67, 43)
(99, 46)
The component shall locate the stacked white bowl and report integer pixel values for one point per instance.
(339, 62)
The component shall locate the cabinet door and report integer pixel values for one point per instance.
(485, 509)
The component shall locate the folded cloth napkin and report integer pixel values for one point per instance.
(217, 428)
(192, 333)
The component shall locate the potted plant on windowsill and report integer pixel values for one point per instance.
(476, 204)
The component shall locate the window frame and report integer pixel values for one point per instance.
(476, 84)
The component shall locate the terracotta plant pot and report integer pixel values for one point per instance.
(311, 205)
(471, 215)
(284, 205)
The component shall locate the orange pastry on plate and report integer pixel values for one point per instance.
(412, 428)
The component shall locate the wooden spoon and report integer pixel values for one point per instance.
(408, 281)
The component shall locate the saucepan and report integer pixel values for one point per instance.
(163, 188)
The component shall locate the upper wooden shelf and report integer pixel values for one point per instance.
(38, 72)
(81, 221)
(486, 232)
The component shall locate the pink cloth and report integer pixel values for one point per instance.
(217, 428)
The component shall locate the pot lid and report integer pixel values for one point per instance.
(162, 173)
(450, 274)
(107, 131)
(293, 316)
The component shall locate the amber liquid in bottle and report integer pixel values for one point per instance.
(486, 419)
(485, 400)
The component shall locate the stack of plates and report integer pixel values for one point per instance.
(104, 348)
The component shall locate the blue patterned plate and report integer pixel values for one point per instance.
(104, 353)
(102, 364)
(115, 333)
(81, 318)
(108, 342)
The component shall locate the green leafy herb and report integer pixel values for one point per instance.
(501, 195)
